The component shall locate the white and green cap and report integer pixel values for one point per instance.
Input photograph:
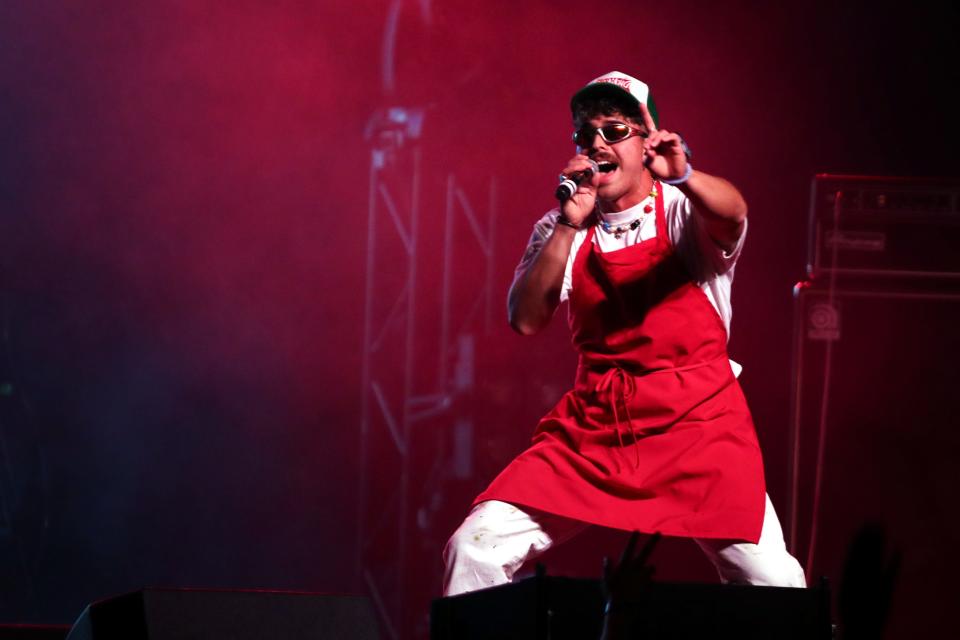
(617, 85)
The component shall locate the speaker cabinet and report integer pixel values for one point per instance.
(876, 440)
(181, 614)
(559, 608)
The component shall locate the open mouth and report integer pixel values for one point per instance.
(606, 167)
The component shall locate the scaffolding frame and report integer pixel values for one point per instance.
(395, 153)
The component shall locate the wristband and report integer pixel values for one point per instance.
(681, 179)
(562, 219)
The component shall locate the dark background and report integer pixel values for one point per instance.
(183, 214)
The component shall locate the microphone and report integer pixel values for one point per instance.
(568, 184)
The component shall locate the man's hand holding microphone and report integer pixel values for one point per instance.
(577, 191)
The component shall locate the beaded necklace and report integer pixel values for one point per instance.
(621, 229)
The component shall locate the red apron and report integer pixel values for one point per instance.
(656, 434)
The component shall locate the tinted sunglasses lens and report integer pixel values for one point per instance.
(584, 137)
(614, 132)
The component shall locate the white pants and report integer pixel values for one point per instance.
(496, 538)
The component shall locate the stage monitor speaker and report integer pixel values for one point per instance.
(182, 614)
(557, 608)
(33, 631)
(875, 425)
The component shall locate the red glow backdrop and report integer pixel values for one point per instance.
(183, 210)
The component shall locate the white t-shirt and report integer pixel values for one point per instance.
(708, 263)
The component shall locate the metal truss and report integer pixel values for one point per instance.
(392, 501)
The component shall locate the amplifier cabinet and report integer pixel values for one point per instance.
(876, 426)
(884, 227)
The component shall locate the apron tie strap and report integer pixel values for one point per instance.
(620, 386)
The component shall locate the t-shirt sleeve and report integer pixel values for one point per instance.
(541, 232)
(689, 235)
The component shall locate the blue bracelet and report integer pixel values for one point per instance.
(681, 179)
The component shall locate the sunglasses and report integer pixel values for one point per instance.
(611, 133)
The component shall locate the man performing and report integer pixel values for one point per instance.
(656, 434)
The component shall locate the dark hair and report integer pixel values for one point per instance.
(606, 106)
